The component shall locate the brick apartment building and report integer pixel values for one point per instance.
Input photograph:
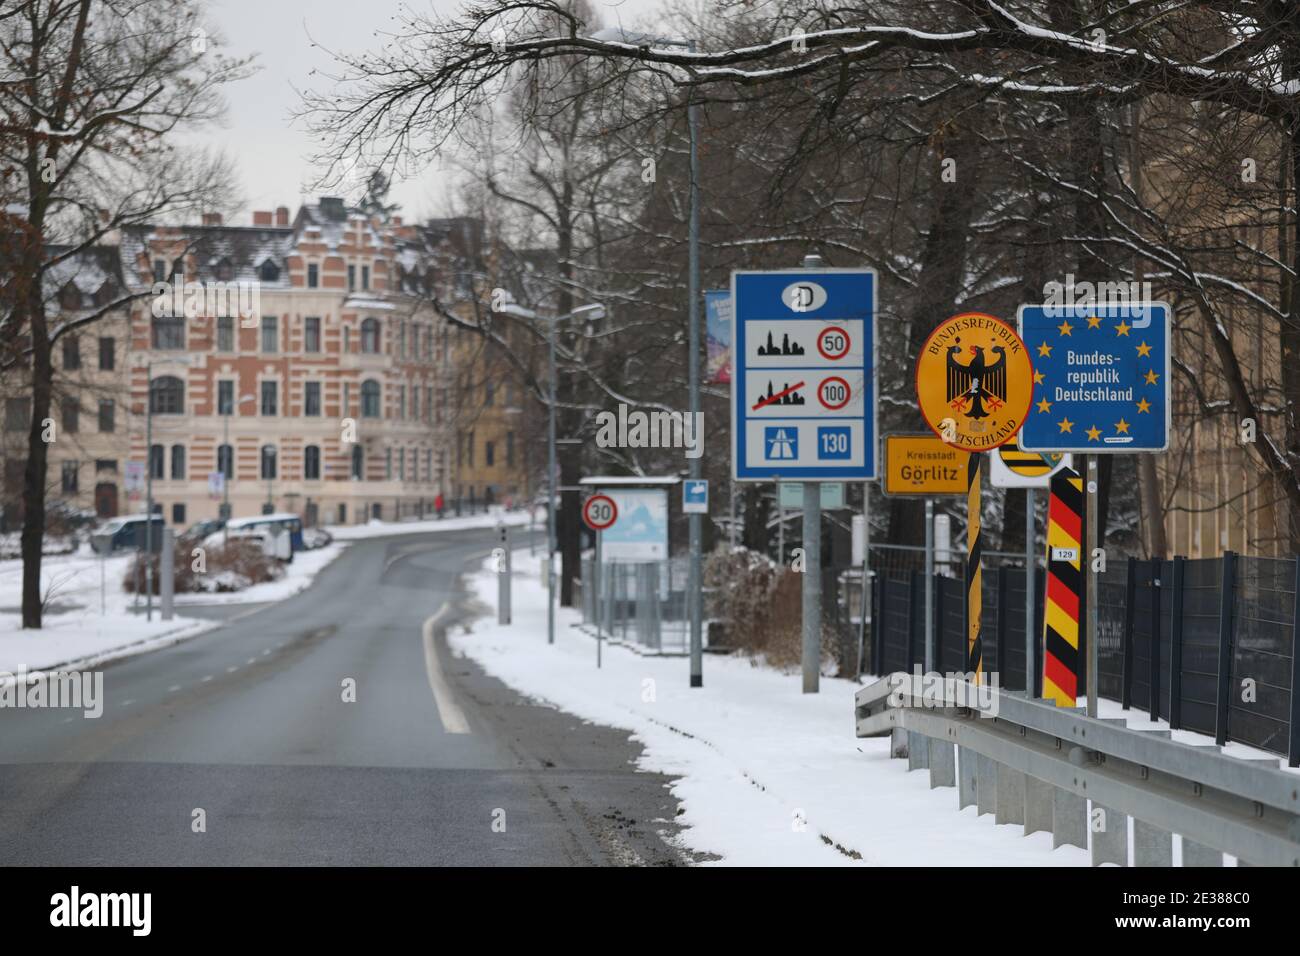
(335, 400)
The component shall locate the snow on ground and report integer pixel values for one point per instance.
(76, 630)
(496, 515)
(754, 754)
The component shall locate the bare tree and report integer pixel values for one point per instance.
(92, 96)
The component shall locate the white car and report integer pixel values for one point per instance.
(273, 545)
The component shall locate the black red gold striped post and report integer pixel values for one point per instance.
(974, 578)
(1064, 597)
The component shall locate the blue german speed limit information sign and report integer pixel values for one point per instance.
(1101, 377)
(804, 375)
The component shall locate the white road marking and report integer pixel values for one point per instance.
(449, 712)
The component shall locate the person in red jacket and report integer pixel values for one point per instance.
(437, 504)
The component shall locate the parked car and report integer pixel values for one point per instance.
(126, 533)
(201, 529)
(275, 543)
(313, 538)
(286, 522)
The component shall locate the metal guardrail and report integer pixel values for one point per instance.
(1041, 766)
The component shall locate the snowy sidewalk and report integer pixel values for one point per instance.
(768, 775)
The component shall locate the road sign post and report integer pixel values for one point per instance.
(975, 405)
(929, 584)
(1101, 386)
(1013, 467)
(804, 398)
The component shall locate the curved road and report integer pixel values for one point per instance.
(434, 763)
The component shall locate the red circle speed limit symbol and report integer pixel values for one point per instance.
(599, 512)
(833, 343)
(833, 393)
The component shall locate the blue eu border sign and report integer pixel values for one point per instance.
(1101, 377)
(803, 388)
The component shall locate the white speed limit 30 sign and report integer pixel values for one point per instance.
(599, 512)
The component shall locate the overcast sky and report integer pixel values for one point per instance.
(270, 148)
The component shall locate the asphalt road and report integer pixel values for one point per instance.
(434, 763)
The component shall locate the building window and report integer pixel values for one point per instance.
(401, 464)
(70, 470)
(268, 271)
(226, 461)
(401, 340)
(270, 393)
(106, 353)
(311, 334)
(311, 398)
(490, 453)
(167, 395)
(71, 414)
(370, 399)
(365, 277)
(106, 464)
(510, 449)
(469, 444)
(428, 464)
(370, 336)
(270, 333)
(489, 393)
(156, 460)
(268, 462)
(160, 270)
(313, 275)
(225, 397)
(388, 464)
(358, 463)
(347, 400)
(107, 417)
(71, 353)
(347, 339)
(226, 333)
(401, 402)
(178, 462)
(178, 513)
(311, 463)
(169, 332)
(428, 403)
(352, 278)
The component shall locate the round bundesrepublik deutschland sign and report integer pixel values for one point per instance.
(974, 381)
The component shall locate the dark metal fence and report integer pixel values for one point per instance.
(1207, 644)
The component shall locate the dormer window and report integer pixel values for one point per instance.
(268, 271)
(70, 298)
(225, 270)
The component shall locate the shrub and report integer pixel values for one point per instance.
(229, 567)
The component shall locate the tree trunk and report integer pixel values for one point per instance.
(33, 534)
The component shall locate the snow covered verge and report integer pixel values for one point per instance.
(767, 775)
(495, 515)
(90, 620)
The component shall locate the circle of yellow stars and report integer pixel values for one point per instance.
(1122, 330)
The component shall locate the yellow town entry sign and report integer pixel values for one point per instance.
(974, 380)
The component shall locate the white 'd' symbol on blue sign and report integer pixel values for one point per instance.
(781, 443)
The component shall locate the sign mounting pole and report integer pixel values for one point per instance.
(1090, 512)
(812, 585)
(1031, 670)
(929, 584)
(974, 577)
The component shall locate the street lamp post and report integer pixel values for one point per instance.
(228, 478)
(595, 312)
(694, 586)
(148, 481)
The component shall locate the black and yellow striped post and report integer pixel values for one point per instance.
(974, 579)
(1064, 598)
